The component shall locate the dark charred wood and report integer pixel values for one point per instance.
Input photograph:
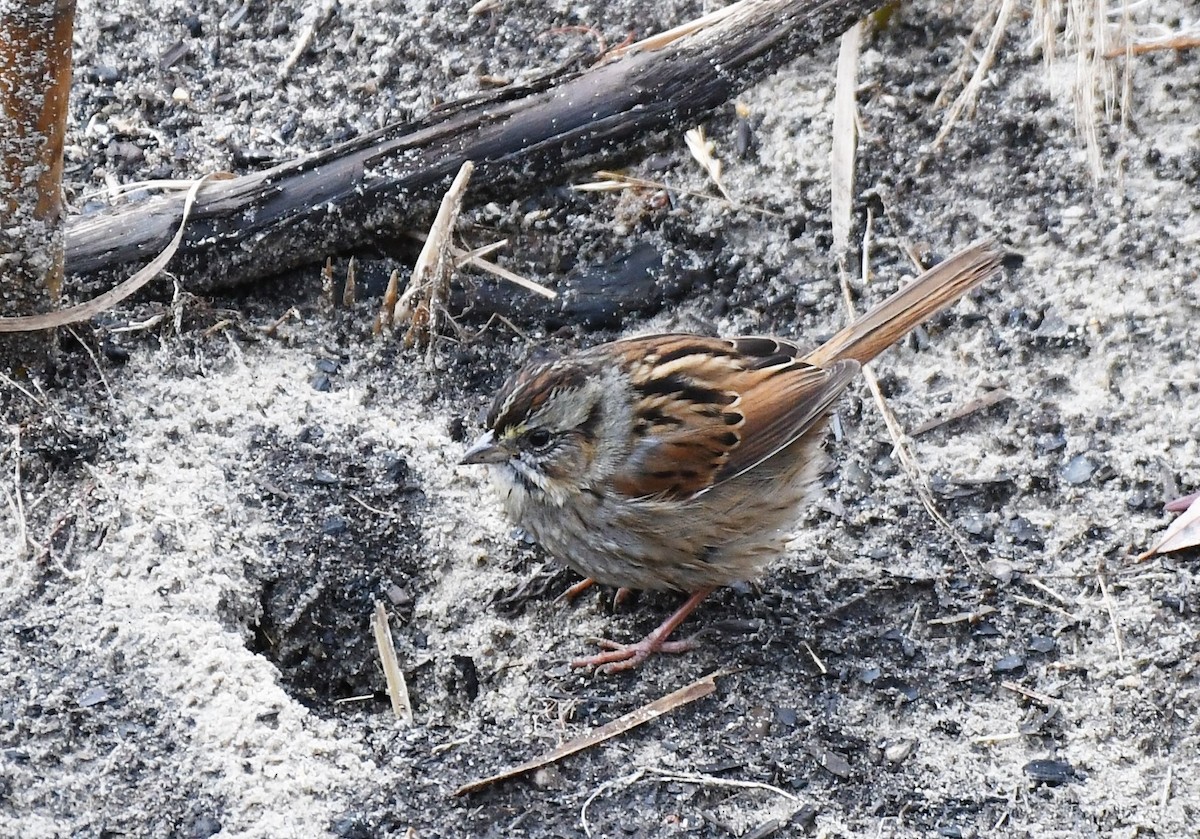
(638, 283)
(343, 198)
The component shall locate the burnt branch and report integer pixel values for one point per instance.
(377, 185)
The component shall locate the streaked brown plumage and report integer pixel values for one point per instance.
(678, 461)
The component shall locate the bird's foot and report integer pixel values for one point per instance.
(628, 656)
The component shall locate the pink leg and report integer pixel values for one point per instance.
(627, 656)
(583, 585)
(579, 588)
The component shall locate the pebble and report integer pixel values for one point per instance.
(94, 696)
(1009, 664)
(1078, 470)
(334, 526)
(1042, 644)
(1023, 531)
(1050, 772)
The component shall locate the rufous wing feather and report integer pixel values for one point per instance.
(709, 409)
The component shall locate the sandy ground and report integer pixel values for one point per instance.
(198, 518)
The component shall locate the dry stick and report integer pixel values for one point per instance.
(989, 399)
(842, 184)
(1040, 698)
(841, 154)
(1049, 607)
(613, 181)
(1175, 42)
(683, 778)
(521, 140)
(696, 690)
(113, 296)
(396, 684)
(476, 258)
(1112, 616)
(35, 84)
(970, 93)
(421, 304)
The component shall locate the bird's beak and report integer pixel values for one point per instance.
(485, 450)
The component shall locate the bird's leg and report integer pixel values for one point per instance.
(583, 585)
(579, 588)
(627, 656)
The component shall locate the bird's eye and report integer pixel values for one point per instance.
(539, 438)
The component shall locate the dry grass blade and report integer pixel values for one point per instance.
(696, 690)
(680, 778)
(992, 397)
(475, 258)
(1174, 42)
(1040, 698)
(842, 161)
(110, 298)
(900, 441)
(703, 151)
(966, 100)
(842, 151)
(662, 39)
(1111, 606)
(396, 684)
(616, 181)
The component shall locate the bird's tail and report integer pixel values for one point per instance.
(928, 294)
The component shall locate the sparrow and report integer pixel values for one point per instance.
(682, 462)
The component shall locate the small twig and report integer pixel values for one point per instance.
(271, 328)
(816, 659)
(1174, 42)
(350, 287)
(1040, 586)
(1165, 795)
(992, 397)
(900, 442)
(396, 684)
(15, 500)
(421, 304)
(696, 690)
(992, 739)
(1049, 607)
(614, 181)
(962, 617)
(970, 93)
(368, 507)
(316, 19)
(34, 398)
(95, 363)
(1040, 698)
(1112, 616)
(475, 258)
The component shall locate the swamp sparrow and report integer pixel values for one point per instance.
(678, 461)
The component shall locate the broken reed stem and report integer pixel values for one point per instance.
(397, 686)
(423, 301)
(35, 82)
